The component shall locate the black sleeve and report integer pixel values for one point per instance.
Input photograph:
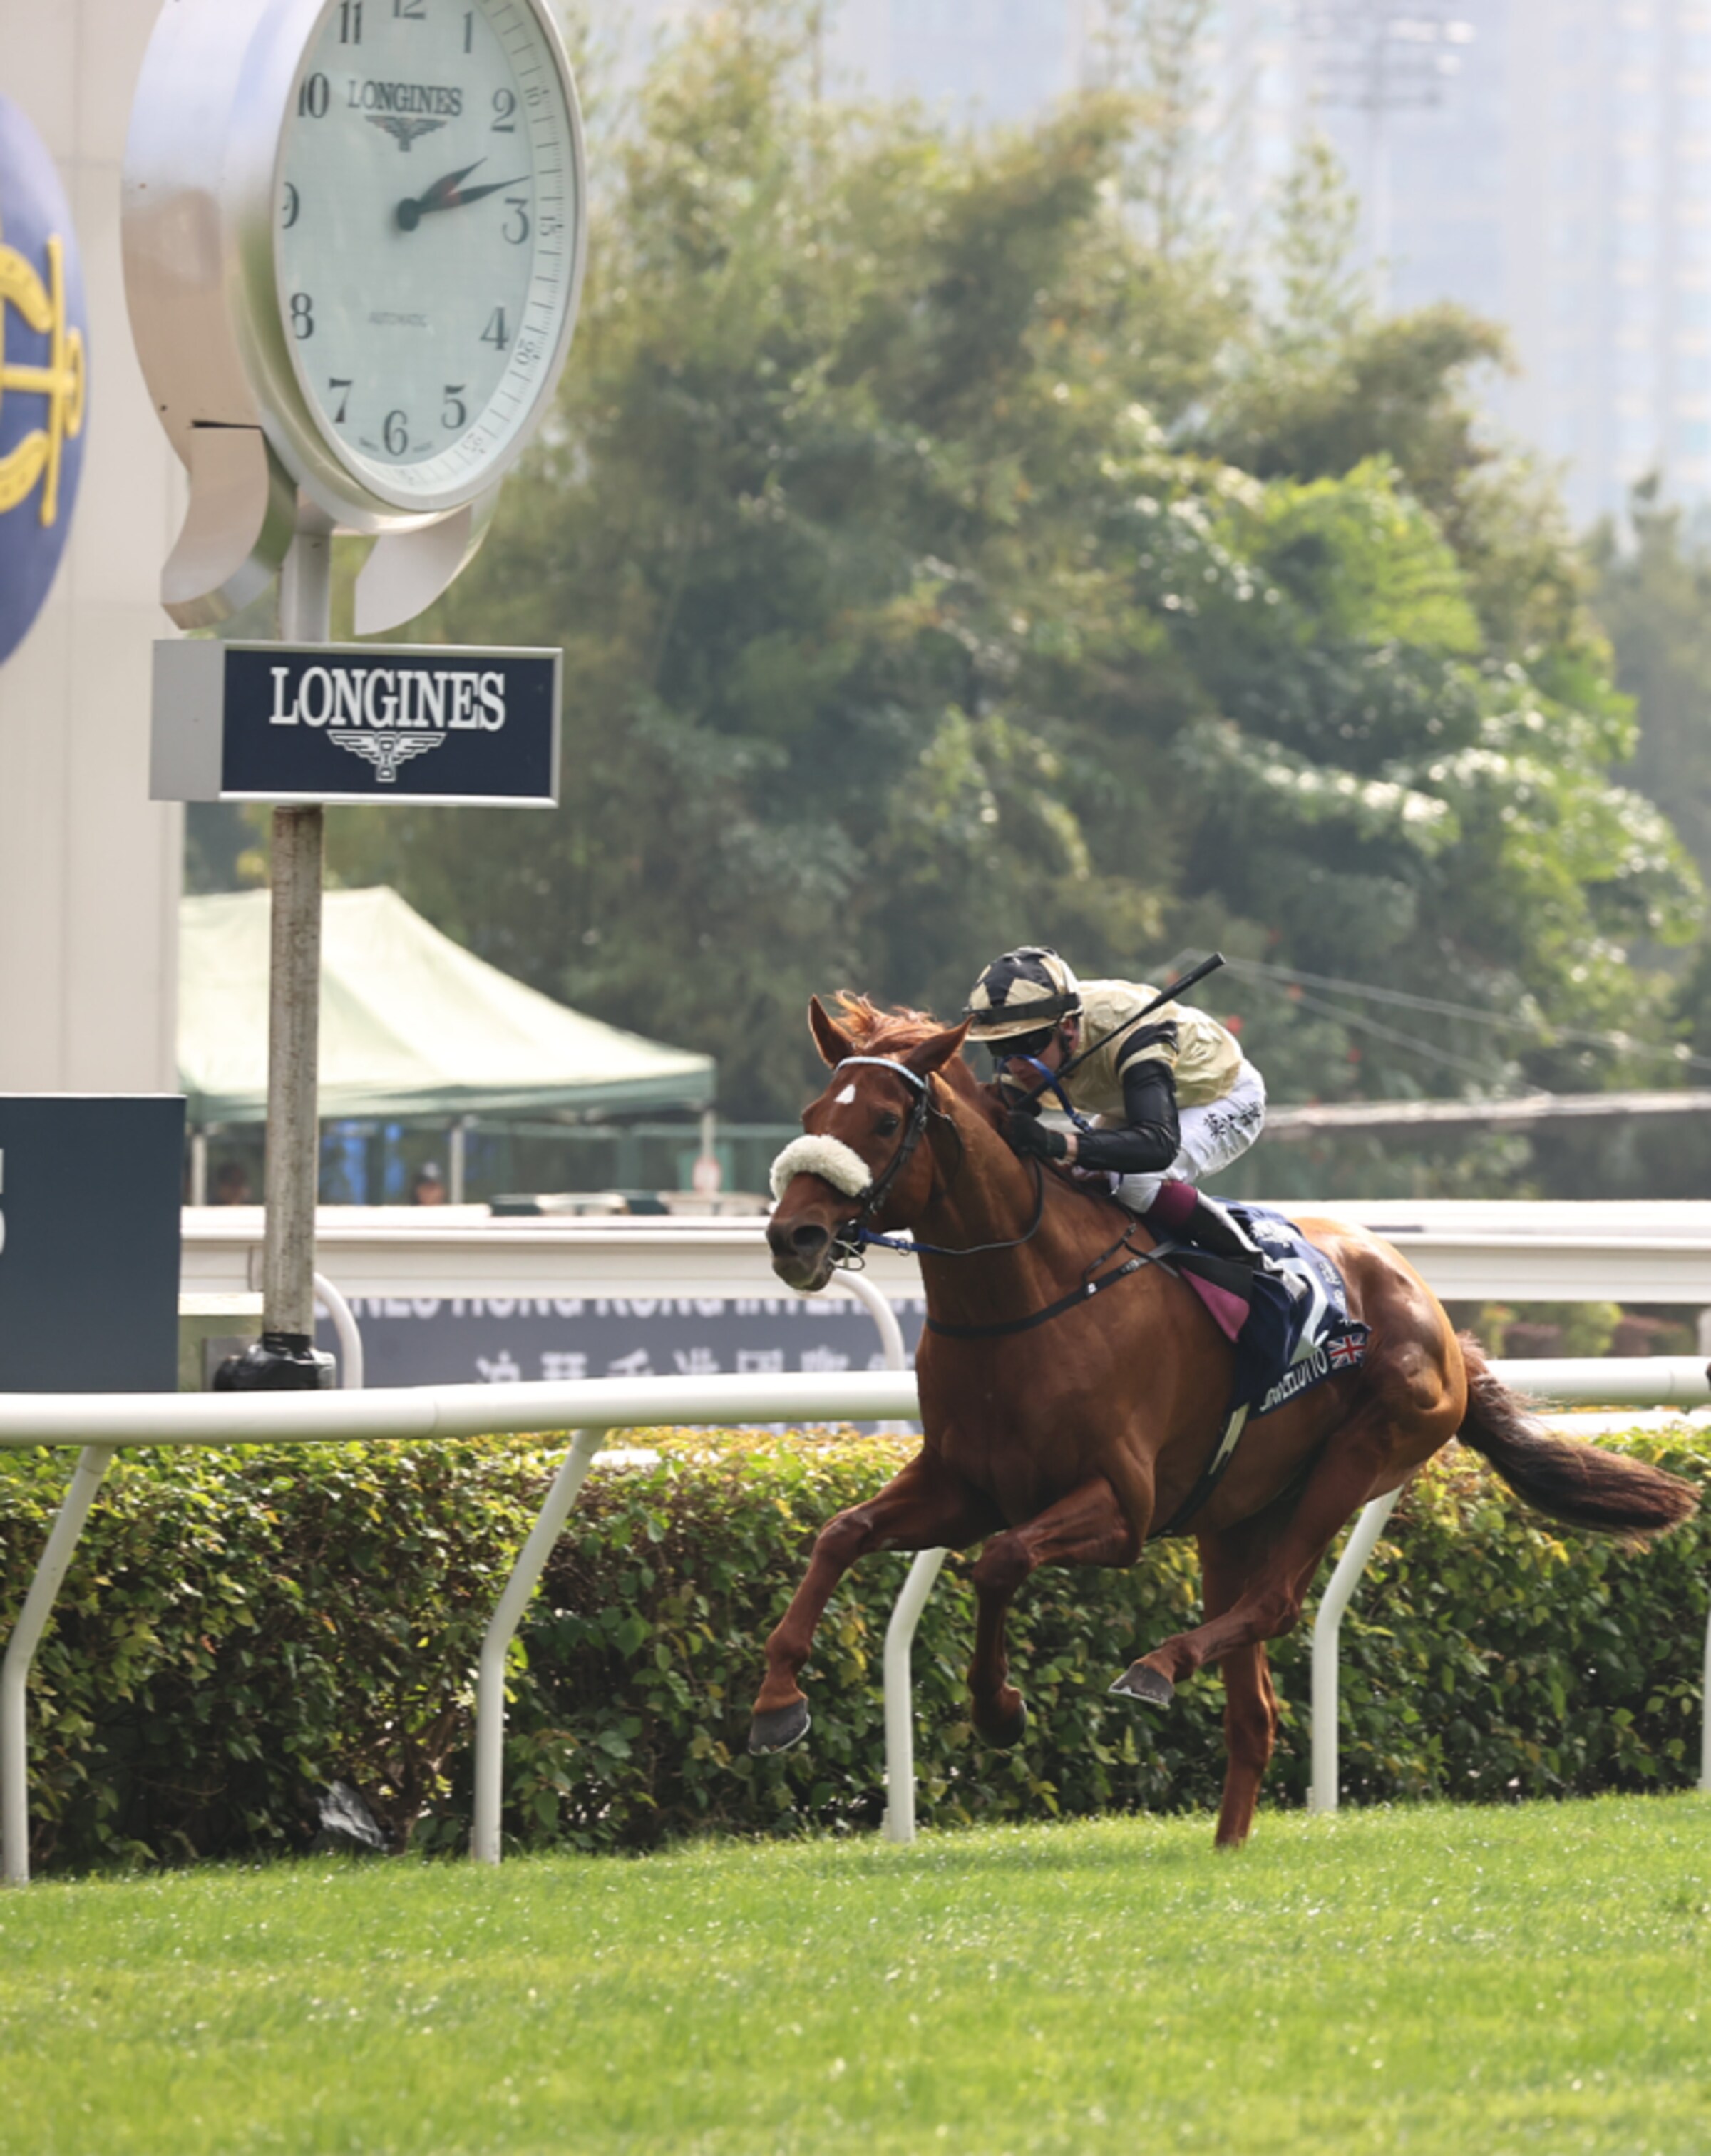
(1150, 1140)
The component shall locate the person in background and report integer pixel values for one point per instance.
(231, 1185)
(429, 1188)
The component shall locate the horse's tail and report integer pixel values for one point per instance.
(1571, 1482)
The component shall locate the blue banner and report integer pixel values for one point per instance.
(43, 375)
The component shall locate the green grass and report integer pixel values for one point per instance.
(1473, 1981)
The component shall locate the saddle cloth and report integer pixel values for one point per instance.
(1288, 1344)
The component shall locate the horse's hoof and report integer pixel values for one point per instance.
(1004, 1733)
(1142, 1682)
(779, 1728)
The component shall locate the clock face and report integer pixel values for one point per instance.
(429, 222)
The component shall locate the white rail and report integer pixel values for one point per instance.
(101, 1422)
(98, 1424)
(1513, 1250)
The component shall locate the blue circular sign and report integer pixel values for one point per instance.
(43, 374)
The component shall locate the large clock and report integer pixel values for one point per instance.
(355, 233)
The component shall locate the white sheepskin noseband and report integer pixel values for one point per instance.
(841, 1166)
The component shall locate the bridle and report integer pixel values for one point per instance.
(858, 1236)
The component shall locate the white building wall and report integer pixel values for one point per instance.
(90, 870)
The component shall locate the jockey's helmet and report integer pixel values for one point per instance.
(1026, 992)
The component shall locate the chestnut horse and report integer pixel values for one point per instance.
(1070, 1439)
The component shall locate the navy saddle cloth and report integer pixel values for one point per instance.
(1291, 1343)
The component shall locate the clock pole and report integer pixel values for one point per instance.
(286, 1360)
(294, 1010)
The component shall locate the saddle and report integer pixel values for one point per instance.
(1288, 1343)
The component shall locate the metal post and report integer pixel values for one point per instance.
(899, 1697)
(353, 1375)
(1325, 1627)
(286, 1360)
(198, 1166)
(900, 1633)
(489, 1683)
(457, 1158)
(20, 1653)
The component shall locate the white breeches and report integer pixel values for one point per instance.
(1213, 1135)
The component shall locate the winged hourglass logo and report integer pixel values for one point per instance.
(62, 382)
(404, 132)
(386, 751)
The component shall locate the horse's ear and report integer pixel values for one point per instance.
(935, 1052)
(833, 1044)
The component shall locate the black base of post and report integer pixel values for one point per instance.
(277, 1363)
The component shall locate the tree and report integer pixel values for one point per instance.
(942, 560)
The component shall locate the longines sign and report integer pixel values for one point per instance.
(355, 723)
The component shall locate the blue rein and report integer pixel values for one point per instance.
(1053, 1084)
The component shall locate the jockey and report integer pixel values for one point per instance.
(1175, 1098)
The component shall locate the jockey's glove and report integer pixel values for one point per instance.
(1029, 1136)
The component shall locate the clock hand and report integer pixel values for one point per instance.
(448, 192)
(443, 190)
(474, 194)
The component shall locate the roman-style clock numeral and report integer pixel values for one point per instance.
(409, 11)
(457, 412)
(302, 315)
(292, 207)
(496, 334)
(350, 22)
(396, 433)
(505, 112)
(335, 383)
(315, 97)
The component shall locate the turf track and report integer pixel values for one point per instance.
(1427, 1980)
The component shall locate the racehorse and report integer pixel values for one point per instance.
(1064, 1424)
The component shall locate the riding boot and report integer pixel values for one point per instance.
(1223, 1252)
(1215, 1230)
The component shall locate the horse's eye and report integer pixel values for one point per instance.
(888, 1124)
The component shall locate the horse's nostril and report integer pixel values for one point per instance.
(808, 1241)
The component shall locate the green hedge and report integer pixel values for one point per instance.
(241, 1627)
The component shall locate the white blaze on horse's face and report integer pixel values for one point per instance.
(850, 1140)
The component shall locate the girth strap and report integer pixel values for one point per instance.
(1211, 1475)
(1073, 1301)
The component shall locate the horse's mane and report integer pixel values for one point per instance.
(877, 1032)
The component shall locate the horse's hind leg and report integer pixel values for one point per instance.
(1088, 1527)
(1368, 1455)
(925, 1507)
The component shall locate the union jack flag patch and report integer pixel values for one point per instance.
(1347, 1353)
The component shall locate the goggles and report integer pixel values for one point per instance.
(1019, 1043)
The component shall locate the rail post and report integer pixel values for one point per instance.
(489, 1683)
(353, 1374)
(1326, 1626)
(20, 1652)
(900, 1698)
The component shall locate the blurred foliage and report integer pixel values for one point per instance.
(951, 548)
(240, 1628)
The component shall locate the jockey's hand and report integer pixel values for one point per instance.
(1029, 1136)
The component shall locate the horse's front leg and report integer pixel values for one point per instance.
(925, 1507)
(1088, 1527)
